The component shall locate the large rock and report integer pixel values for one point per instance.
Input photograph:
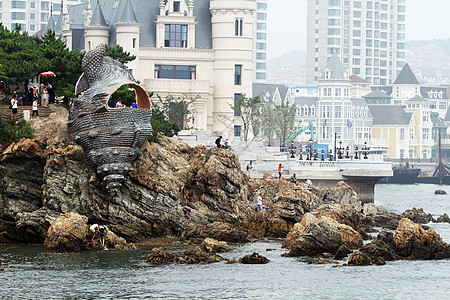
(68, 232)
(313, 236)
(417, 216)
(190, 256)
(214, 246)
(413, 241)
(254, 258)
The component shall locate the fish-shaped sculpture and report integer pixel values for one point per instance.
(110, 137)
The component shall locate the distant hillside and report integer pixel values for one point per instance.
(296, 58)
(445, 44)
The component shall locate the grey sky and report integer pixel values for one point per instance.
(426, 19)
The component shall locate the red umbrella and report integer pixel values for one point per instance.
(48, 73)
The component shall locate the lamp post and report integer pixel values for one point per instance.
(310, 150)
(335, 137)
(366, 150)
(301, 152)
(356, 152)
(292, 150)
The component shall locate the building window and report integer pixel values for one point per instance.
(260, 75)
(337, 92)
(237, 105)
(402, 134)
(261, 16)
(176, 6)
(261, 55)
(237, 74)
(18, 15)
(32, 16)
(238, 24)
(260, 66)
(237, 130)
(261, 26)
(261, 46)
(175, 36)
(44, 5)
(32, 4)
(134, 42)
(425, 133)
(89, 45)
(20, 4)
(338, 112)
(175, 72)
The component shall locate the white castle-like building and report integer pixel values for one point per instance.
(201, 47)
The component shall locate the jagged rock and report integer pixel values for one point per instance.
(190, 256)
(360, 258)
(68, 232)
(443, 219)
(417, 216)
(321, 261)
(254, 258)
(214, 246)
(412, 241)
(160, 257)
(342, 252)
(199, 256)
(231, 261)
(219, 231)
(314, 236)
(440, 192)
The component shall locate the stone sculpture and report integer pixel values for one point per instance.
(110, 137)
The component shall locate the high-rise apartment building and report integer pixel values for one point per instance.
(368, 36)
(31, 15)
(260, 41)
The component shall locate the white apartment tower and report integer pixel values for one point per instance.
(369, 36)
(31, 15)
(260, 24)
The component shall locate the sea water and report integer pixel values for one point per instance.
(30, 272)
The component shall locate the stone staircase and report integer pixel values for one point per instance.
(6, 111)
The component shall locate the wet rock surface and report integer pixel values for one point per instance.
(254, 258)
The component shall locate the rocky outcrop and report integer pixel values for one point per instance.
(202, 254)
(417, 216)
(411, 241)
(214, 246)
(318, 235)
(440, 192)
(254, 258)
(443, 219)
(38, 182)
(70, 232)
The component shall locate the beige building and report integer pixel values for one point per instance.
(182, 47)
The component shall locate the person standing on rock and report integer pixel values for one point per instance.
(280, 170)
(13, 107)
(260, 202)
(35, 109)
(218, 142)
(249, 169)
(187, 212)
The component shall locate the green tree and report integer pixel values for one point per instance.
(267, 121)
(247, 110)
(160, 125)
(177, 109)
(285, 120)
(117, 53)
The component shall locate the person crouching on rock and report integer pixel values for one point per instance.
(94, 229)
(187, 212)
(102, 230)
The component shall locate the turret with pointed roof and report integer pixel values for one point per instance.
(406, 76)
(127, 16)
(98, 20)
(334, 69)
(51, 21)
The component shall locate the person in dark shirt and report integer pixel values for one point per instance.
(218, 142)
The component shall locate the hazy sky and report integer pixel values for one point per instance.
(425, 19)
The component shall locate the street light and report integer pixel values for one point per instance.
(292, 150)
(366, 150)
(301, 152)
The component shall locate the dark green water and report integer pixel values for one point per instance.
(33, 273)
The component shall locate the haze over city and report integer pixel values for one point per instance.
(287, 23)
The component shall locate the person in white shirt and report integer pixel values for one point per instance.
(14, 103)
(260, 202)
(35, 109)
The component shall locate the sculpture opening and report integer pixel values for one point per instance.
(138, 93)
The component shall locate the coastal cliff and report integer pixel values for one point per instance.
(45, 177)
